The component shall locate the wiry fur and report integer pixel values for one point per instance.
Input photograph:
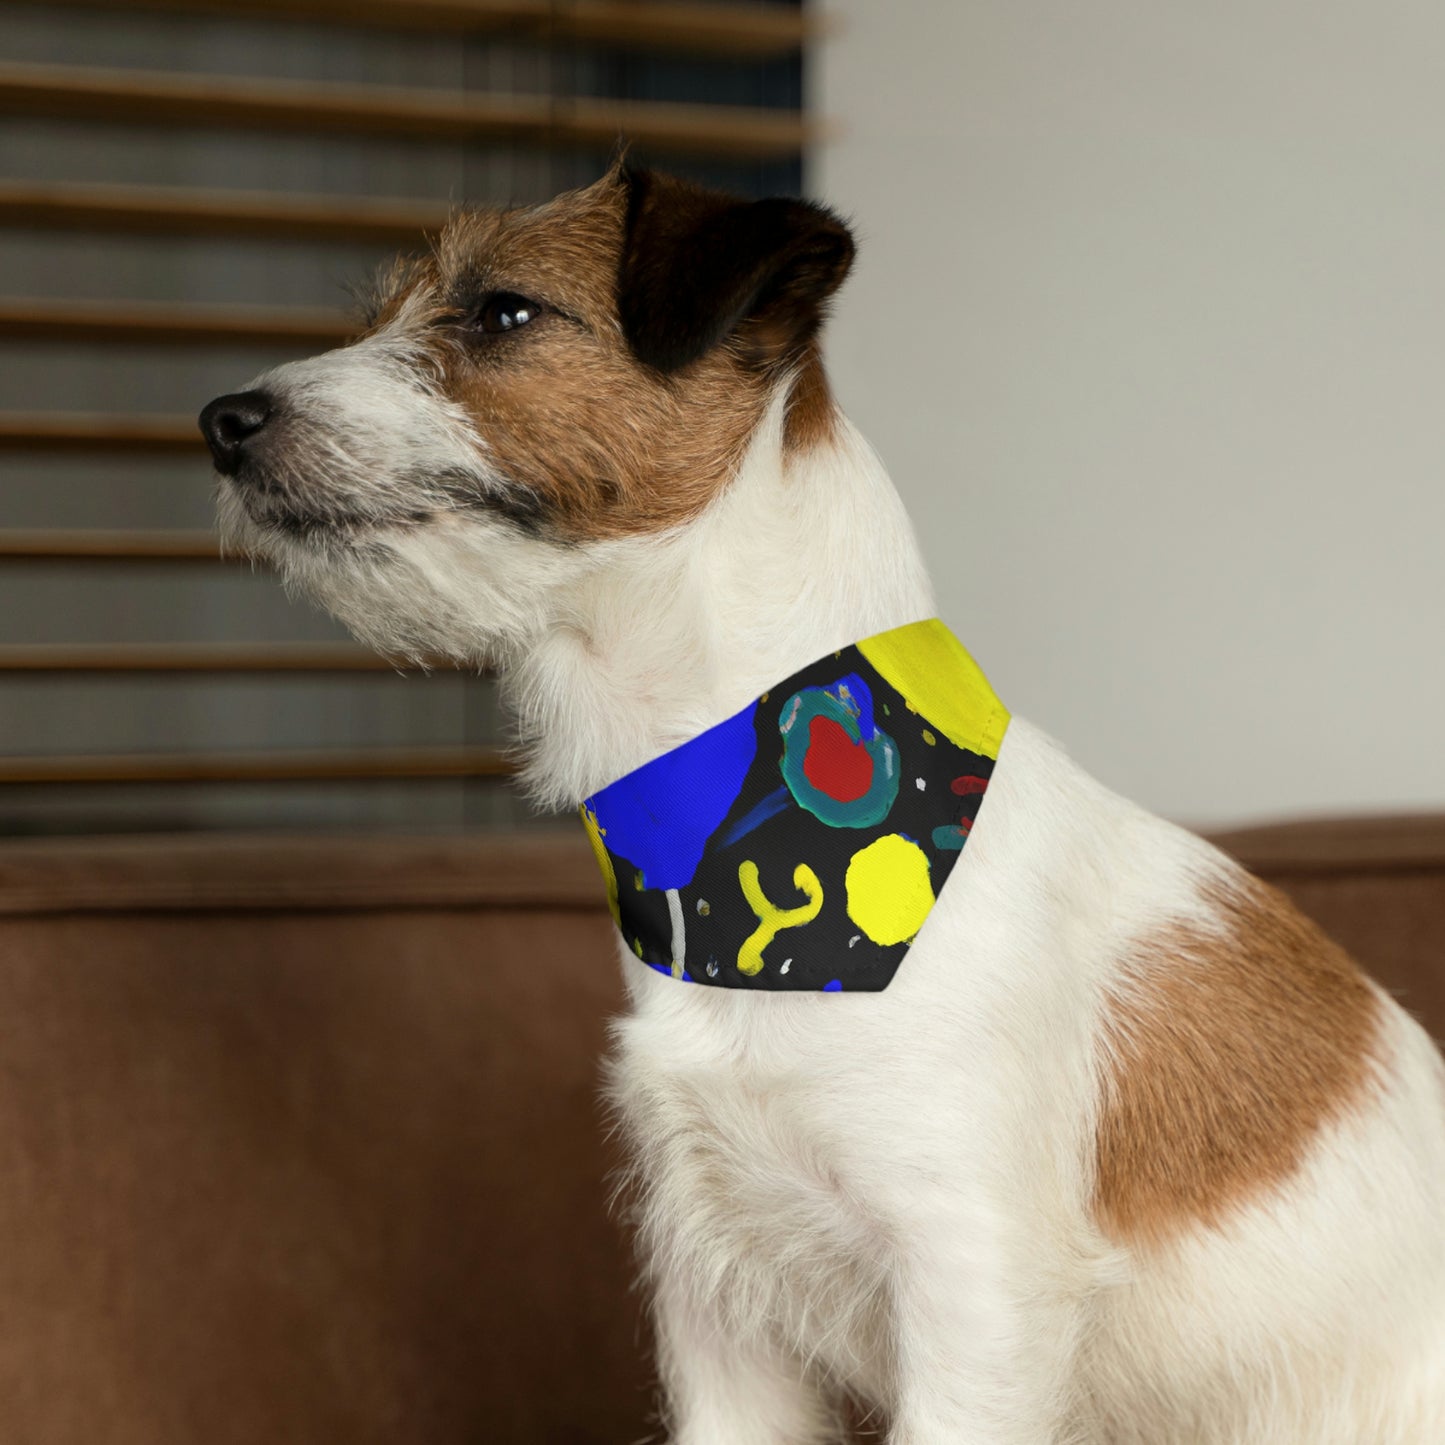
(895, 1195)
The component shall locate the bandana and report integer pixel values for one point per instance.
(802, 843)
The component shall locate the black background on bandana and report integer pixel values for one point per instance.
(820, 950)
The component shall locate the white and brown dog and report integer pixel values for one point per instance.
(1127, 1152)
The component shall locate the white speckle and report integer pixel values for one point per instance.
(712, 968)
(704, 907)
(854, 939)
(921, 784)
(786, 963)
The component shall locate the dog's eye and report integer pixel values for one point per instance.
(505, 311)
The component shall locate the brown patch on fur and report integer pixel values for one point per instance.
(812, 414)
(595, 441)
(1229, 1051)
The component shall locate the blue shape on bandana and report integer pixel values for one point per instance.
(660, 816)
(833, 986)
(852, 688)
(773, 803)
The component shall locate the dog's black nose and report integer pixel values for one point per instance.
(229, 422)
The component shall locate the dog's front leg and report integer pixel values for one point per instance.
(985, 1345)
(722, 1387)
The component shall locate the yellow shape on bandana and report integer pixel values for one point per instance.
(889, 892)
(934, 672)
(604, 862)
(772, 919)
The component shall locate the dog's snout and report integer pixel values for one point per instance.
(229, 422)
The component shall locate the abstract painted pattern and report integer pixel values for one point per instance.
(802, 843)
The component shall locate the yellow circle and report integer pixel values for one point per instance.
(889, 893)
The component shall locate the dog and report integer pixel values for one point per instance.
(1126, 1152)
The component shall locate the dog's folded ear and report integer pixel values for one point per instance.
(699, 267)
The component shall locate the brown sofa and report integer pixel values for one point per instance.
(299, 1140)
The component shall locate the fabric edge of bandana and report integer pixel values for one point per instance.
(908, 656)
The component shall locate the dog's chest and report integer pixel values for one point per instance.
(749, 1185)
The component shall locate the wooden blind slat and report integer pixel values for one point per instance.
(258, 767)
(160, 98)
(95, 431)
(168, 323)
(705, 29)
(173, 210)
(180, 657)
(751, 31)
(108, 546)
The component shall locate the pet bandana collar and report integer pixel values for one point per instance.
(801, 843)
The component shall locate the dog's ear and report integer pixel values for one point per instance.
(699, 267)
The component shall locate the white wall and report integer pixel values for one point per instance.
(1149, 324)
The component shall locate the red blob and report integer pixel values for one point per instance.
(834, 763)
(965, 786)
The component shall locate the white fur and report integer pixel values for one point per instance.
(889, 1194)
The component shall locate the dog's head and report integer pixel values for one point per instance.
(545, 382)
